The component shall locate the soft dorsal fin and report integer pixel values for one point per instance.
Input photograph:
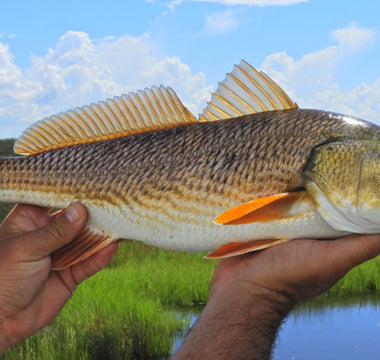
(245, 91)
(151, 109)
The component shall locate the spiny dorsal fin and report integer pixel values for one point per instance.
(245, 91)
(151, 109)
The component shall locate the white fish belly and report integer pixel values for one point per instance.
(195, 234)
(202, 235)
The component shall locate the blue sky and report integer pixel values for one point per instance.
(59, 55)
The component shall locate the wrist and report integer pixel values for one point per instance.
(237, 320)
(276, 304)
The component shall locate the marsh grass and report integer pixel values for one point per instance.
(4, 210)
(124, 311)
(6, 147)
(362, 280)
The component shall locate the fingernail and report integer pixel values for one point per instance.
(72, 213)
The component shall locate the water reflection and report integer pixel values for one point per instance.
(327, 328)
(332, 328)
(189, 314)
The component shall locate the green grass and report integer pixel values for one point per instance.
(6, 147)
(362, 280)
(124, 311)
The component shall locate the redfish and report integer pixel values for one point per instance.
(252, 171)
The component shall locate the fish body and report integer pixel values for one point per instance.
(179, 186)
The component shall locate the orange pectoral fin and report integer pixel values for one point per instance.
(86, 244)
(270, 208)
(240, 248)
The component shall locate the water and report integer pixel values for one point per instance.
(190, 314)
(327, 329)
(349, 332)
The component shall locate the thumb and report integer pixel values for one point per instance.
(353, 250)
(62, 229)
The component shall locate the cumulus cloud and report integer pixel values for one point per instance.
(310, 79)
(15, 91)
(220, 23)
(80, 71)
(353, 38)
(361, 101)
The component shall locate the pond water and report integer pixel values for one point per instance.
(190, 314)
(349, 332)
(328, 329)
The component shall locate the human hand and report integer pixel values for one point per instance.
(31, 295)
(251, 294)
(297, 270)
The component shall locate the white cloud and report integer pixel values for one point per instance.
(133, 62)
(220, 23)
(361, 101)
(253, 2)
(310, 80)
(15, 90)
(174, 3)
(352, 38)
(7, 35)
(79, 71)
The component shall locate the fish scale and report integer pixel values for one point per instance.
(174, 184)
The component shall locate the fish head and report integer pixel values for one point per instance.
(343, 181)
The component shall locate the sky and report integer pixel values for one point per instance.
(55, 56)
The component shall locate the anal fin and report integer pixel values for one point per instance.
(86, 244)
(240, 248)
